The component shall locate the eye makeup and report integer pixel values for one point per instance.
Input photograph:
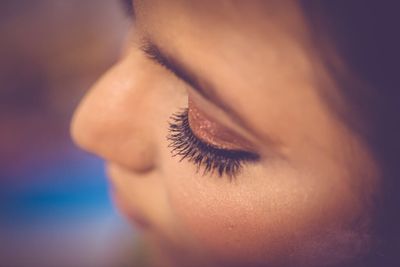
(212, 132)
(211, 148)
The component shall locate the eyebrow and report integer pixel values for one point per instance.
(128, 7)
(153, 52)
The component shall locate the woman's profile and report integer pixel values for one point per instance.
(254, 133)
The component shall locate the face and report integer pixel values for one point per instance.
(219, 144)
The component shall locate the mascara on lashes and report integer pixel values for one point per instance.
(212, 159)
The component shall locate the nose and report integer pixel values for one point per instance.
(114, 120)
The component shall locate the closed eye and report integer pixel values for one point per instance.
(186, 145)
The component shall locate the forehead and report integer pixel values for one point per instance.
(266, 20)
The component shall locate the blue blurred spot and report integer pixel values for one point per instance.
(72, 186)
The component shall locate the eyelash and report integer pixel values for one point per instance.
(187, 146)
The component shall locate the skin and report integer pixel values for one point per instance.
(306, 202)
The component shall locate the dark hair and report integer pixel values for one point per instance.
(365, 35)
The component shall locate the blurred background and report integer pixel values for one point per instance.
(54, 204)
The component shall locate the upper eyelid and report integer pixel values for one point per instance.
(152, 52)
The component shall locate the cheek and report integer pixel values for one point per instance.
(259, 222)
(221, 224)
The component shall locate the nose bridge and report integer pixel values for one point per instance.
(113, 120)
